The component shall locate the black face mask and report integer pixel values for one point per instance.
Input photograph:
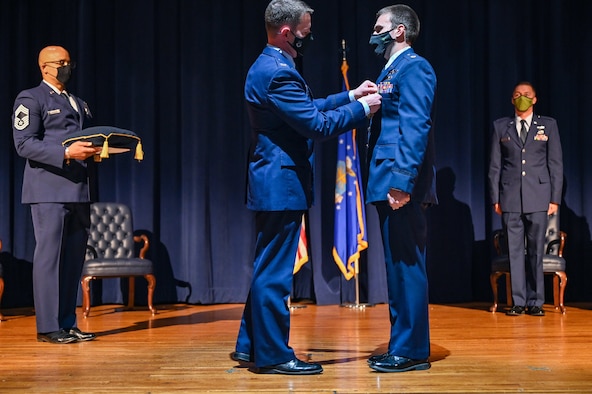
(64, 73)
(300, 44)
(381, 41)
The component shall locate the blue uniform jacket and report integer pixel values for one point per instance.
(401, 143)
(285, 120)
(525, 178)
(41, 121)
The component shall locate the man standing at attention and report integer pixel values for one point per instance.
(285, 119)
(525, 183)
(56, 185)
(401, 184)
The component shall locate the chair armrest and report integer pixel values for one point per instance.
(562, 236)
(497, 234)
(92, 251)
(559, 242)
(142, 238)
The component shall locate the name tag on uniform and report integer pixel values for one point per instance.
(53, 111)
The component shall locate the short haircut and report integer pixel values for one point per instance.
(285, 12)
(402, 14)
(525, 83)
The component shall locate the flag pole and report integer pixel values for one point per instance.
(357, 305)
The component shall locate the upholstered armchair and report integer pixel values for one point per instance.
(110, 254)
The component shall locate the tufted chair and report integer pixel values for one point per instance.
(553, 263)
(111, 252)
(1, 283)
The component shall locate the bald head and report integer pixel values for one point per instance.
(50, 59)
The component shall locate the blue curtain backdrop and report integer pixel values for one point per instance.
(173, 72)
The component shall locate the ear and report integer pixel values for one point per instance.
(284, 31)
(399, 33)
(534, 100)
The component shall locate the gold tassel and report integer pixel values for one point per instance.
(139, 156)
(105, 150)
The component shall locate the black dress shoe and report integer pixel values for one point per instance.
(240, 357)
(81, 336)
(392, 363)
(535, 311)
(378, 357)
(293, 367)
(516, 311)
(58, 337)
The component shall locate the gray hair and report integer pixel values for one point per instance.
(402, 14)
(285, 12)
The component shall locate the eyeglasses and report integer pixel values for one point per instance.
(63, 63)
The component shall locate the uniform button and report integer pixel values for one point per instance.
(523, 173)
(523, 161)
(523, 150)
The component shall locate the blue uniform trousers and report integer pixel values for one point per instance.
(528, 282)
(61, 234)
(404, 234)
(265, 325)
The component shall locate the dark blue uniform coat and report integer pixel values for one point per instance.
(524, 178)
(285, 120)
(401, 150)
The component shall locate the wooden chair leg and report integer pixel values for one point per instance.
(509, 300)
(131, 295)
(556, 291)
(1, 292)
(85, 285)
(493, 279)
(151, 285)
(562, 283)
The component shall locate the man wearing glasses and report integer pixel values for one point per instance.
(56, 185)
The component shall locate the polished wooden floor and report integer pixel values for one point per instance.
(184, 348)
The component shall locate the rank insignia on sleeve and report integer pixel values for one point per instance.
(21, 117)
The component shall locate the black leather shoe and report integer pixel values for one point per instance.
(378, 357)
(293, 367)
(516, 311)
(81, 336)
(392, 363)
(58, 337)
(535, 311)
(240, 357)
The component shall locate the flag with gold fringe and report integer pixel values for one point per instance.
(350, 217)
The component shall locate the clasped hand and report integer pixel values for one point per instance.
(397, 198)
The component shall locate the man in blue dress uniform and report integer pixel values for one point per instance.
(285, 120)
(56, 185)
(401, 183)
(525, 184)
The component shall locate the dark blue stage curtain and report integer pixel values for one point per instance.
(173, 72)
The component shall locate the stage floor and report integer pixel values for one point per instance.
(185, 348)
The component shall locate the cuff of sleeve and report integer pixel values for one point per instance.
(352, 98)
(366, 107)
